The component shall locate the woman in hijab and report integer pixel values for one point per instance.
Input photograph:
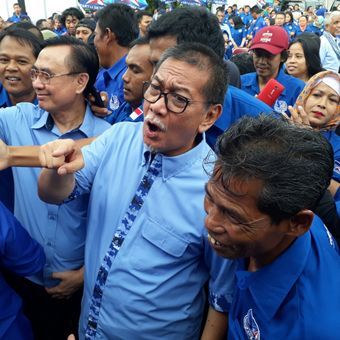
(318, 108)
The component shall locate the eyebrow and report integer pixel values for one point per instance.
(44, 69)
(174, 87)
(229, 211)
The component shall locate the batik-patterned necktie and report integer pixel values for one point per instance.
(116, 243)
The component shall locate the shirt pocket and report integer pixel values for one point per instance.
(157, 248)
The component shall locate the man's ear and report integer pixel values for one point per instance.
(300, 223)
(210, 117)
(82, 81)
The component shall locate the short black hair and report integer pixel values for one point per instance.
(238, 23)
(82, 58)
(141, 14)
(121, 20)
(24, 37)
(192, 24)
(244, 62)
(310, 43)
(28, 26)
(139, 41)
(204, 58)
(295, 164)
(73, 12)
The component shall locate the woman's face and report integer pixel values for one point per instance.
(321, 105)
(302, 21)
(288, 18)
(296, 62)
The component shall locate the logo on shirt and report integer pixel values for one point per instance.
(114, 102)
(251, 327)
(337, 166)
(280, 106)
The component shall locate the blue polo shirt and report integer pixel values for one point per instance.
(155, 287)
(308, 29)
(238, 34)
(293, 87)
(246, 18)
(295, 297)
(60, 229)
(6, 176)
(23, 256)
(289, 28)
(110, 80)
(237, 103)
(256, 26)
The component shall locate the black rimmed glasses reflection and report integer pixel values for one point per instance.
(174, 102)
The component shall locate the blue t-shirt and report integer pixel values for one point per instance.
(155, 287)
(293, 87)
(111, 81)
(23, 256)
(295, 297)
(238, 34)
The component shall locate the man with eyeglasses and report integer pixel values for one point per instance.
(269, 48)
(62, 77)
(147, 257)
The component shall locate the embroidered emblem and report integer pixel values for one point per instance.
(250, 326)
(280, 106)
(114, 102)
(135, 114)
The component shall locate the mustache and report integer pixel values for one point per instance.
(155, 121)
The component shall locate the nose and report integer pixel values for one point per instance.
(12, 65)
(159, 106)
(37, 84)
(213, 221)
(126, 76)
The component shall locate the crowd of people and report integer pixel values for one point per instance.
(149, 191)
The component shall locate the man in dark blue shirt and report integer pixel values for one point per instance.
(259, 205)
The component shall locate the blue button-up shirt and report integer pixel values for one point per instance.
(23, 256)
(293, 87)
(295, 297)
(59, 228)
(256, 26)
(237, 103)
(155, 286)
(110, 80)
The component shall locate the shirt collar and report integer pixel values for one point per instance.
(87, 126)
(173, 165)
(114, 71)
(270, 285)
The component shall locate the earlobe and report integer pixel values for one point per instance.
(300, 223)
(210, 117)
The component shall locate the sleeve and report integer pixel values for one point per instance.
(8, 118)
(222, 279)
(18, 251)
(93, 156)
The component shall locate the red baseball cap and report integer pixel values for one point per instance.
(273, 39)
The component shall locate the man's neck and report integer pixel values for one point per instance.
(27, 97)
(262, 81)
(70, 118)
(119, 53)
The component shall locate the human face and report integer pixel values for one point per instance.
(144, 24)
(288, 18)
(321, 105)
(70, 24)
(267, 65)
(220, 16)
(60, 94)
(139, 70)
(158, 46)
(16, 61)
(169, 133)
(296, 62)
(83, 33)
(279, 19)
(334, 26)
(302, 21)
(17, 9)
(57, 24)
(236, 227)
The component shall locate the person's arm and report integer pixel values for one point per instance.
(216, 325)
(32, 156)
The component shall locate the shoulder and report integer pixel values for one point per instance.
(248, 78)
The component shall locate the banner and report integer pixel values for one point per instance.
(93, 5)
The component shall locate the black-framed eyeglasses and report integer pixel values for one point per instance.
(46, 77)
(174, 102)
